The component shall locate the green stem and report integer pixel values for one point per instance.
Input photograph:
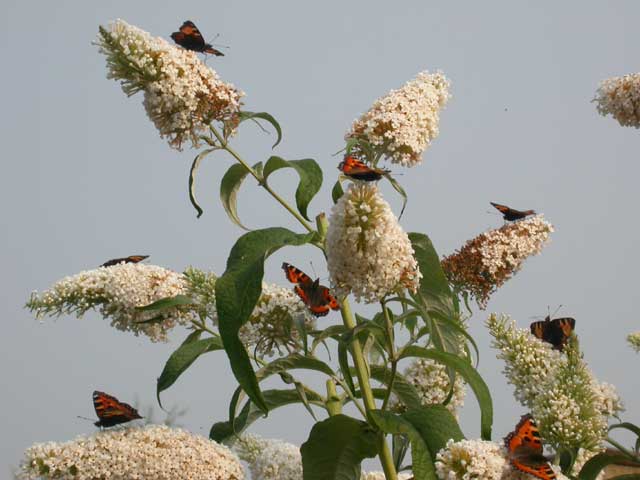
(351, 396)
(334, 405)
(386, 459)
(225, 145)
(621, 448)
(392, 354)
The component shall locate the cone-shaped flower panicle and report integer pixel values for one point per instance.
(272, 325)
(115, 292)
(182, 96)
(155, 452)
(570, 406)
(620, 98)
(634, 340)
(369, 254)
(270, 459)
(486, 262)
(433, 385)
(405, 121)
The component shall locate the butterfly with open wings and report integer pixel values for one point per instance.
(190, 38)
(524, 446)
(354, 168)
(511, 214)
(316, 297)
(111, 411)
(129, 259)
(556, 331)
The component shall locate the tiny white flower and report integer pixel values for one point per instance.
(620, 98)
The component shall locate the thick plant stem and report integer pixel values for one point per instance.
(392, 354)
(261, 181)
(334, 405)
(360, 365)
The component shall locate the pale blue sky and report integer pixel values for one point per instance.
(86, 177)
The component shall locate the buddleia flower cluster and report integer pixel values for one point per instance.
(634, 340)
(272, 325)
(403, 123)
(368, 252)
(477, 459)
(155, 452)
(487, 261)
(620, 98)
(116, 292)
(570, 406)
(182, 96)
(433, 385)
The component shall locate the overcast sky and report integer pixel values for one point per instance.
(86, 178)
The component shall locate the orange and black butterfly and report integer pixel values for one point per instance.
(315, 296)
(511, 214)
(354, 168)
(190, 38)
(111, 411)
(556, 331)
(525, 450)
(129, 259)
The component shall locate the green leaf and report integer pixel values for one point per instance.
(166, 303)
(336, 447)
(337, 191)
(398, 188)
(238, 291)
(223, 431)
(229, 186)
(404, 389)
(192, 178)
(598, 462)
(293, 362)
(343, 361)
(310, 175)
(182, 358)
(422, 463)
(436, 426)
(470, 375)
(263, 116)
(333, 331)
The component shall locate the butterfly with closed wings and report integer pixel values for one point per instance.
(190, 38)
(316, 297)
(524, 446)
(354, 168)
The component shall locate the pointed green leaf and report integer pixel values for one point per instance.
(422, 463)
(404, 390)
(255, 116)
(398, 188)
(470, 375)
(337, 191)
(238, 291)
(310, 175)
(192, 178)
(436, 426)
(336, 447)
(598, 462)
(224, 431)
(182, 358)
(229, 186)
(166, 303)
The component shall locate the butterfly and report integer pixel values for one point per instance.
(111, 411)
(556, 331)
(525, 450)
(129, 259)
(317, 297)
(354, 168)
(190, 38)
(511, 214)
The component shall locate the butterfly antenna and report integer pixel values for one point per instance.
(556, 311)
(85, 418)
(315, 274)
(218, 45)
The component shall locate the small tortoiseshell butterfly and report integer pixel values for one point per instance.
(511, 214)
(111, 411)
(129, 259)
(190, 38)
(525, 450)
(317, 297)
(556, 331)
(354, 168)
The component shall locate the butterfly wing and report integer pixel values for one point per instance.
(190, 38)
(129, 259)
(316, 297)
(501, 208)
(560, 329)
(354, 168)
(111, 411)
(525, 450)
